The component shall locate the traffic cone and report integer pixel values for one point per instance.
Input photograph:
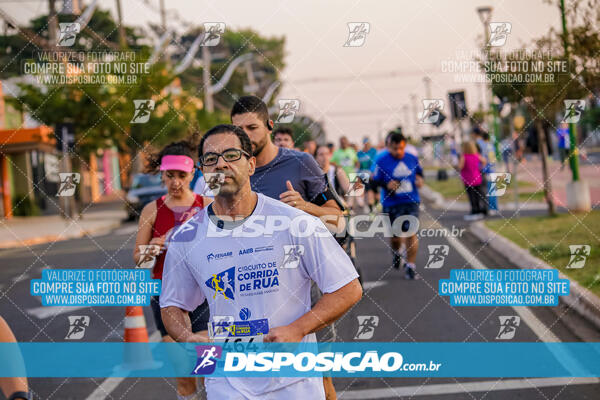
(135, 325)
(136, 356)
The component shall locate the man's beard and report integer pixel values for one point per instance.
(257, 147)
(229, 188)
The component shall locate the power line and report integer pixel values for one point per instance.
(374, 75)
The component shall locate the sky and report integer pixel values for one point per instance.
(356, 91)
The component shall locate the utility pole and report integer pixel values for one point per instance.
(413, 100)
(407, 120)
(208, 99)
(485, 16)
(427, 82)
(122, 39)
(52, 22)
(163, 16)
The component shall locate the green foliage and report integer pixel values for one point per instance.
(24, 206)
(304, 128)
(101, 113)
(266, 64)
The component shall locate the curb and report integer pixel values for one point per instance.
(580, 299)
(435, 197)
(58, 238)
(440, 203)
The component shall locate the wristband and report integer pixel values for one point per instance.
(20, 395)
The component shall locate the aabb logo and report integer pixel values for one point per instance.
(247, 251)
(223, 283)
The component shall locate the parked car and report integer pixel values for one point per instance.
(144, 189)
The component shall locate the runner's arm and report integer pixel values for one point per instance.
(461, 163)
(329, 211)
(178, 325)
(329, 308)
(144, 235)
(343, 180)
(419, 178)
(9, 385)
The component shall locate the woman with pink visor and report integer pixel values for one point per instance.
(158, 220)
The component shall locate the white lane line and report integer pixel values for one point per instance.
(51, 311)
(20, 278)
(373, 284)
(463, 387)
(567, 360)
(126, 230)
(537, 326)
(109, 384)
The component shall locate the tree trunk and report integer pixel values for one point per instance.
(52, 22)
(543, 150)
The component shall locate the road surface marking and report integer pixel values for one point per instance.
(537, 326)
(463, 387)
(51, 311)
(109, 384)
(373, 284)
(126, 230)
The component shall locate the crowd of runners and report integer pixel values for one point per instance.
(287, 287)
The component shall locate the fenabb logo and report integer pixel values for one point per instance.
(219, 256)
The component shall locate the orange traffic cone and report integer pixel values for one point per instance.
(136, 357)
(135, 325)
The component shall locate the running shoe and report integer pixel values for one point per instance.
(397, 261)
(409, 271)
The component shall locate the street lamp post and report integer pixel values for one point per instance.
(485, 16)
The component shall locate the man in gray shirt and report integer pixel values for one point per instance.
(290, 176)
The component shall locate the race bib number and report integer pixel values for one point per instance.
(238, 332)
(405, 187)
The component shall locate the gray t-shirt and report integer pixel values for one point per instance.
(299, 168)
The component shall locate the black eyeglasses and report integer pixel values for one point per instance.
(228, 155)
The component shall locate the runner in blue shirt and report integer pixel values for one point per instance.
(400, 175)
(366, 156)
(562, 134)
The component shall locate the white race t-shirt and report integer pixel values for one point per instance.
(252, 279)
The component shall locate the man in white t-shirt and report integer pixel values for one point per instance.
(253, 271)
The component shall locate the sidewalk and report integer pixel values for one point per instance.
(441, 203)
(531, 171)
(28, 231)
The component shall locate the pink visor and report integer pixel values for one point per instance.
(179, 163)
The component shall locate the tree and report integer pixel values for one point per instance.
(267, 62)
(538, 78)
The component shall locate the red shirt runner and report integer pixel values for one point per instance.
(166, 220)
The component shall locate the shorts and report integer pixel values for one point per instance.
(308, 388)
(199, 316)
(399, 210)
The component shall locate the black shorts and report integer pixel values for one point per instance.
(199, 316)
(400, 210)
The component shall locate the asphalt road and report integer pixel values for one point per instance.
(408, 311)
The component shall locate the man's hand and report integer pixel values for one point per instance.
(160, 242)
(393, 185)
(292, 198)
(287, 333)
